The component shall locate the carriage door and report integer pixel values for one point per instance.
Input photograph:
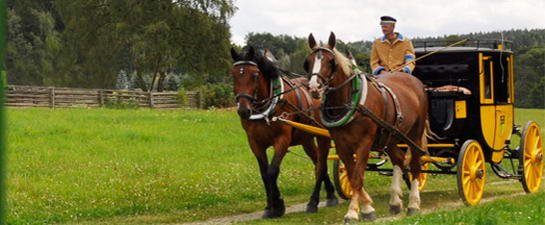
(496, 103)
(503, 100)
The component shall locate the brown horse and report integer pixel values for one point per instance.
(332, 75)
(262, 93)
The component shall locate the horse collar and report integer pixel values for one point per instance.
(358, 97)
(277, 88)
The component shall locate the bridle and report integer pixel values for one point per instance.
(242, 63)
(316, 72)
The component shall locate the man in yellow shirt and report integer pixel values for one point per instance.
(392, 50)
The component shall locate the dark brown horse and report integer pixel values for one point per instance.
(262, 93)
(332, 74)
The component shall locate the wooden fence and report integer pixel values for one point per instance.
(53, 97)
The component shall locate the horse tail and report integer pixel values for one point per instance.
(428, 133)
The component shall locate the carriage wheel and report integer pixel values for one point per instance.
(422, 177)
(532, 157)
(471, 172)
(342, 183)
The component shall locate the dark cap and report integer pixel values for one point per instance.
(387, 20)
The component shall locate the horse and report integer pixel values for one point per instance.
(332, 77)
(261, 93)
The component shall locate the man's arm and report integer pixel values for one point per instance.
(376, 68)
(409, 56)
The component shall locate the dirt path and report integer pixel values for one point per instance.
(252, 216)
(301, 208)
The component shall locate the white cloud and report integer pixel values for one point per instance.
(354, 20)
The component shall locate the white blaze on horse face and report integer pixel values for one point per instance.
(313, 84)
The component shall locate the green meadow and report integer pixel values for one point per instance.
(108, 166)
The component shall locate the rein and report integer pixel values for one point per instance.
(277, 92)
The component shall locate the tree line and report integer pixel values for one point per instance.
(528, 49)
(114, 44)
(172, 44)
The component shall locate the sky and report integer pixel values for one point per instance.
(356, 20)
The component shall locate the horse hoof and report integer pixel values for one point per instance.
(267, 214)
(311, 208)
(412, 211)
(372, 216)
(395, 209)
(278, 209)
(350, 220)
(332, 202)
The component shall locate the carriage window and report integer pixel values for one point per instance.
(502, 80)
(488, 73)
(486, 78)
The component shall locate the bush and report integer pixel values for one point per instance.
(217, 95)
(118, 104)
(182, 97)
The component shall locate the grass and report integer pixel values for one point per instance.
(107, 166)
(85, 164)
(528, 209)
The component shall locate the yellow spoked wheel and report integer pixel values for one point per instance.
(422, 177)
(342, 182)
(471, 172)
(531, 157)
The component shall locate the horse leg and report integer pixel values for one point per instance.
(356, 171)
(319, 157)
(311, 150)
(324, 145)
(261, 156)
(352, 215)
(415, 167)
(396, 193)
(278, 207)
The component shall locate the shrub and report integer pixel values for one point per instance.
(217, 95)
(182, 97)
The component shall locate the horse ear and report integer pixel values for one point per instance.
(311, 41)
(349, 54)
(332, 40)
(234, 54)
(251, 53)
(269, 55)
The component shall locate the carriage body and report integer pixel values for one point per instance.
(486, 114)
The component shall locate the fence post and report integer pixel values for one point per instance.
(151, 104)
(51, 97)
(101, 98)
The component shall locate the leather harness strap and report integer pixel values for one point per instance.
(381, 143)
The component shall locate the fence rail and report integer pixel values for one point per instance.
(60, 97)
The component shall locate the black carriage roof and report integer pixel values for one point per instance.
(469, 46)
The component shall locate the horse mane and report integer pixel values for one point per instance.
(267, 67)
(343, 62)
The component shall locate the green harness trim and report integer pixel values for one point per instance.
(349, 116)
(277, 87)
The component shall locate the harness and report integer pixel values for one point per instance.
(357, 101)
(277, 96)
(277, 88)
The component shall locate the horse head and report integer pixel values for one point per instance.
(322, 65)
(251, 75)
